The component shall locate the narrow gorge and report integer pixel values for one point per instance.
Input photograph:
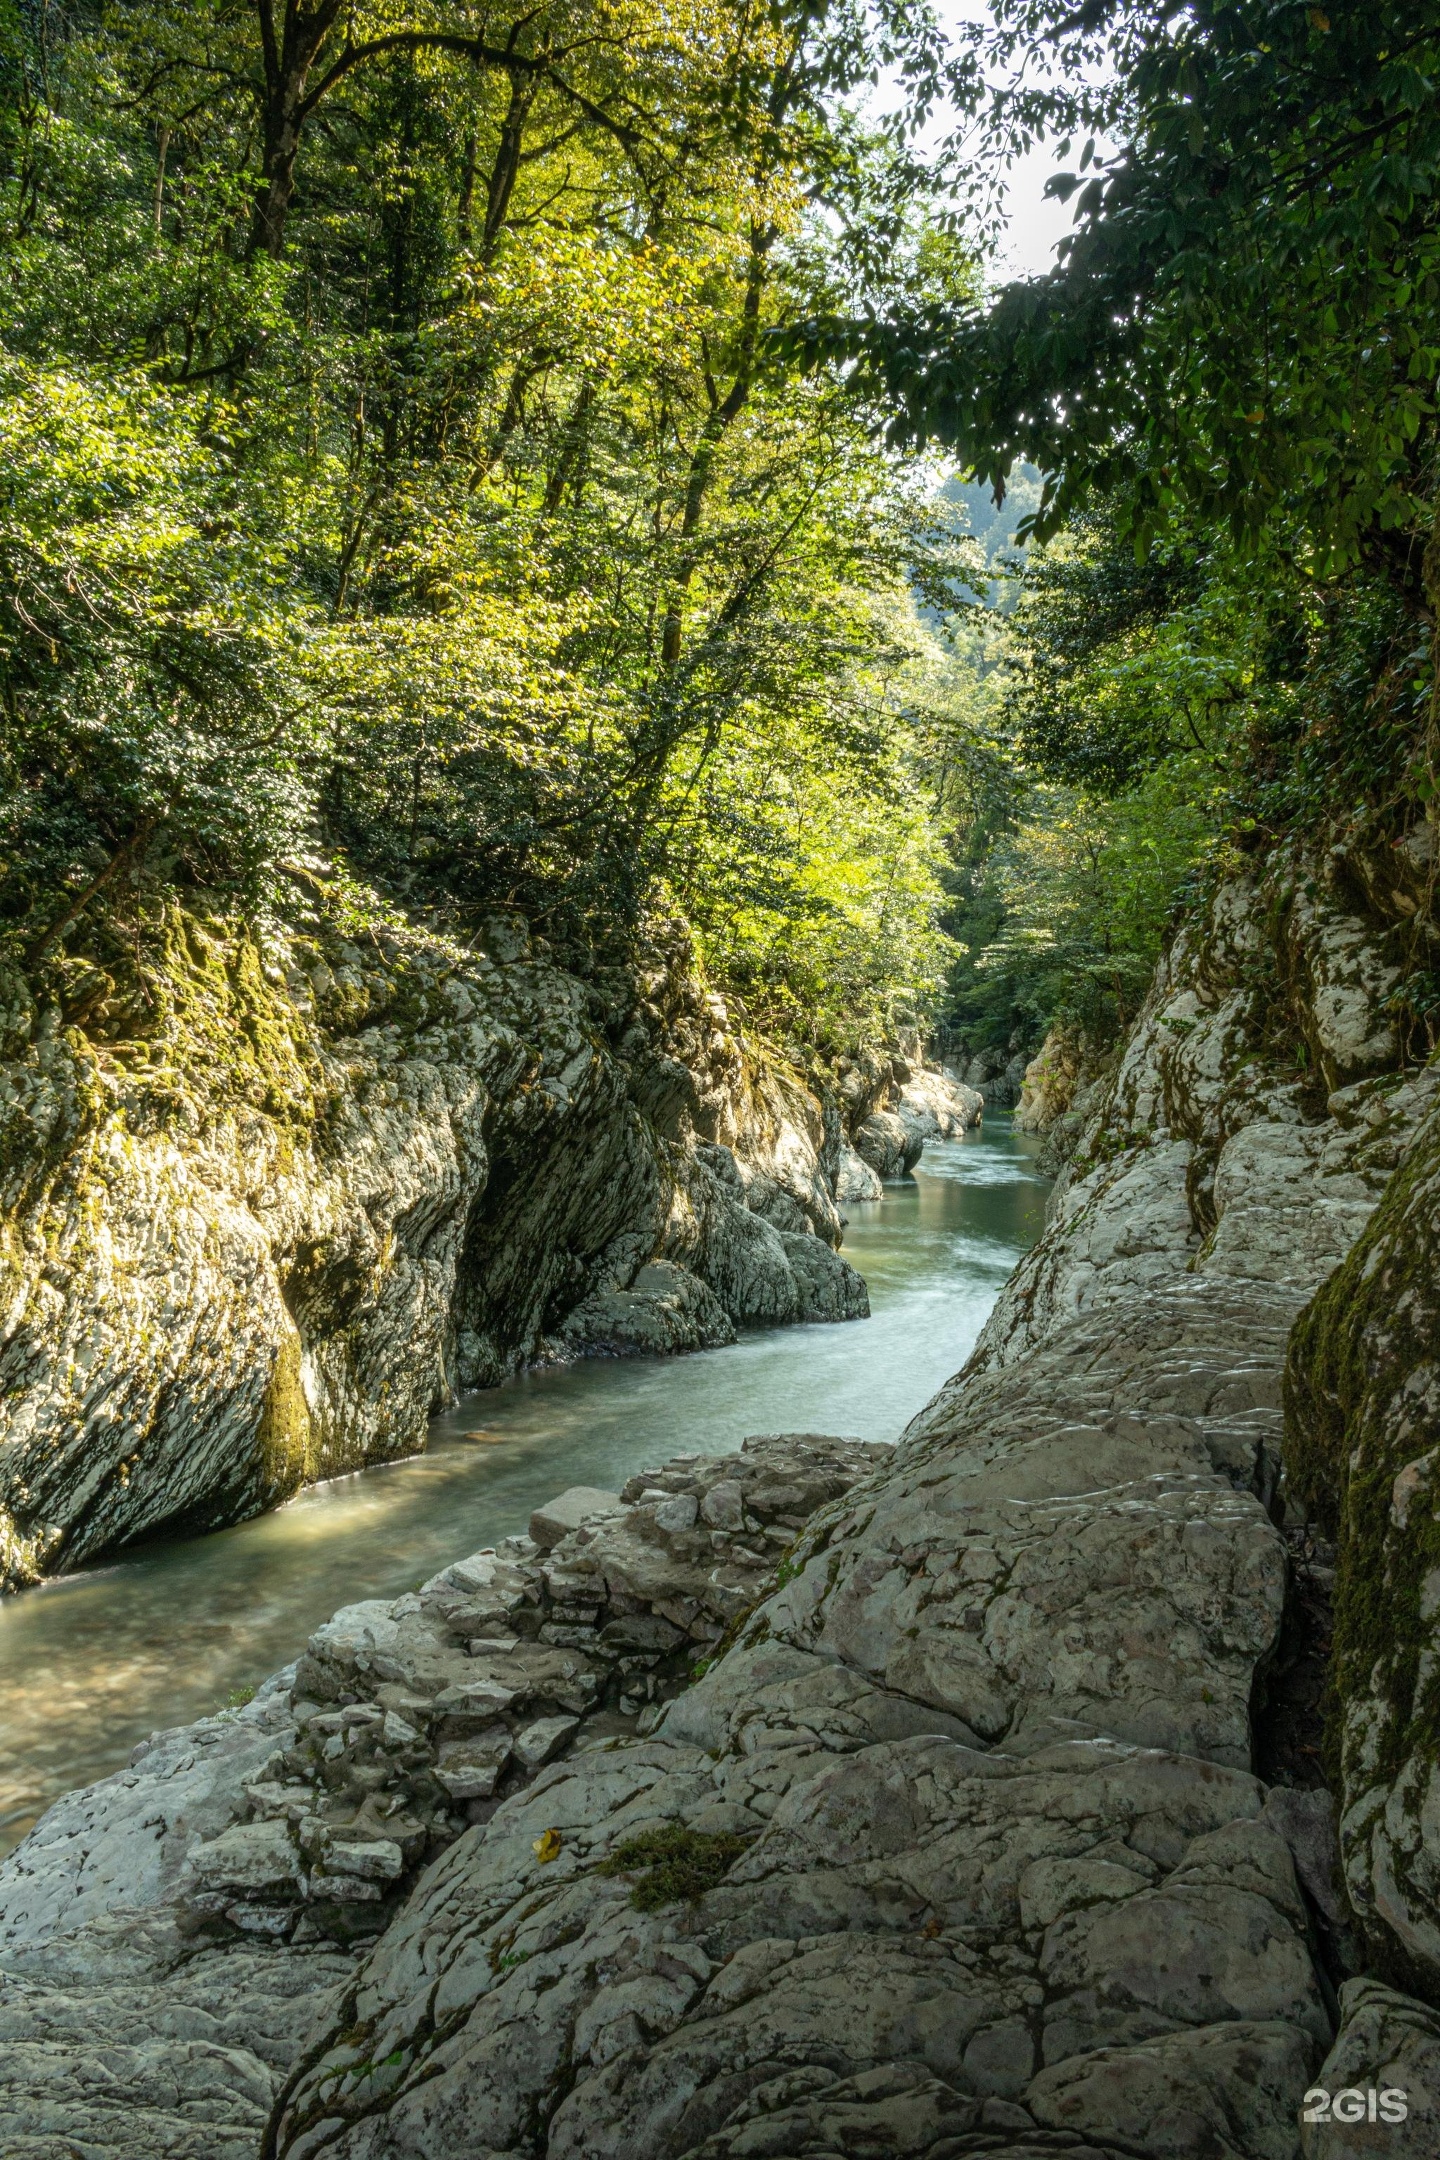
(335, 1182)
(1003, 1816)
(719, 1080)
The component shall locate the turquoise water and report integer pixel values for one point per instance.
(93, 1662)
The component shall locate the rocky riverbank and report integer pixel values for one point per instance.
(999, 1817)
(341, 1167)
(167, 1936)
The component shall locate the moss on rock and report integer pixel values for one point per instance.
(1362, 1452)
(673, 1864)
(284, 1441)
(264, 1209)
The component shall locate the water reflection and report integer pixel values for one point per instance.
(92, 1663)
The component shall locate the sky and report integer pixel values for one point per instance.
(1034, 224)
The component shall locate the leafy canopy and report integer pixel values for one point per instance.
(402, 461)
(1246, 322)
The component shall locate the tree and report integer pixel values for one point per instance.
(537, 575)
(1148, 715)
(1247, 321)
(277, 65)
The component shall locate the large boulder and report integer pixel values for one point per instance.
(748, 1238)
(852, 1961)
(1389, 2045)
(919, 1104)
(888, 1144)
(855, 1180)
(665, 1309)
(937, 1106)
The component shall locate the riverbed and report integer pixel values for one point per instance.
(93, 1662)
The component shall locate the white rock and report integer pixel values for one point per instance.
(678, 1512)
(256, 1859)
(475, 1698)
(889, 1144)
(543, 1740)
(938, 1107)
(567, 1511)
(855, 1180)
(344, 1889)
(373, 1859)
(723, 1505)
(112, 1856)
(470, 1769)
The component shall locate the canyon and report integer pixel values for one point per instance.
(971, 1796)
(348, 1168)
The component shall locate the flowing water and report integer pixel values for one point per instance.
(91, 1663)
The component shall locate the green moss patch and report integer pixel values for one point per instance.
(674, 1864)
(1360, 1452)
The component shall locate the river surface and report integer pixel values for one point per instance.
(95, 1661)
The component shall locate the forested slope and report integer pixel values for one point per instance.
(467, 775)
(398, 454)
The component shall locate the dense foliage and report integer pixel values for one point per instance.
(1233, 374)
(1154, 719)
(398, 462)
(1120, 701)
(488, 447)
(1247, 318)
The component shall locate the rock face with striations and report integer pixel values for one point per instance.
(330, 1181)
(957, 1843)
(966, 1810)
(895, 1108)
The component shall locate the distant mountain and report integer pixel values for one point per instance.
(995, 529)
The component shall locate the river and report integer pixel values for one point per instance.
(93, 1662)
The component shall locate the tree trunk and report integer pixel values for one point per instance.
(1430, 579)
(127, 851)
(567, 464)
(289, 54)
(467, 193)
(506, 168)
(702, 465)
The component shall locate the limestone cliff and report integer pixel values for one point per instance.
(890, 1105)
(342, 1167)
(1061, 1089)
(1052, 1080)
(982, 1829)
